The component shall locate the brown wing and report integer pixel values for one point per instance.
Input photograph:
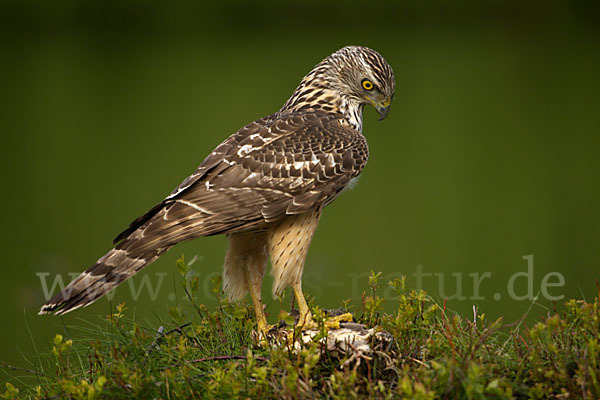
(274, 167)
(270, 168)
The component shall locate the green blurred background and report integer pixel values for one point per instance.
(490, 152)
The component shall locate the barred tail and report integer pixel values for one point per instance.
(111, 270)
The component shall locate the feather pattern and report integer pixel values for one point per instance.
(292, 162)
(271, 168)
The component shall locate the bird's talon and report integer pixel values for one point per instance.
(334, 322)
(346, 317)
(264, 332)
(329, 322)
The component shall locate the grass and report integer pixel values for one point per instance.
(435, 353)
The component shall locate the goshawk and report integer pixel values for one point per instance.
(264, 187)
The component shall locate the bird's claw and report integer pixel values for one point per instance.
(328, 322)
(264, 332)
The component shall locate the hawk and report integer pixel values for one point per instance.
(264, 187)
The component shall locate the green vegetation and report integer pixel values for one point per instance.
(489, 154)
(434, 353)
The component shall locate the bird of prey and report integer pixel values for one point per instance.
(264, 187)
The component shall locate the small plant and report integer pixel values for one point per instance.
(433, 353)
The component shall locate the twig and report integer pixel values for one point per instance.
(178, 329)
(160, 334)
(418, 361)
(191, 299)
(199, 360)
(13, 368)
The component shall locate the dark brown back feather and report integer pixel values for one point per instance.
(279, 165)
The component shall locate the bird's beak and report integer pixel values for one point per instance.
(382, 107)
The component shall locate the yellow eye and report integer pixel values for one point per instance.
(367, 84)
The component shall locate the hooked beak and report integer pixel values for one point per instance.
(382, 107)
(383, 110)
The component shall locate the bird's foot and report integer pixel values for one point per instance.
(328, 322)
(267, 334)
(264, 333)
(334, 322)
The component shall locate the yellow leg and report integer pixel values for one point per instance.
(305, 320)
(253, 279)
(244, 267)
(305, 314)
(261, 319)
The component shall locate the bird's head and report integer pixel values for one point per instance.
(362, 75)
(345, 82)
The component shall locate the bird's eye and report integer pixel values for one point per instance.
(367, 84)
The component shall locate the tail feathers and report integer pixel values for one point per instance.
(111, 270)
